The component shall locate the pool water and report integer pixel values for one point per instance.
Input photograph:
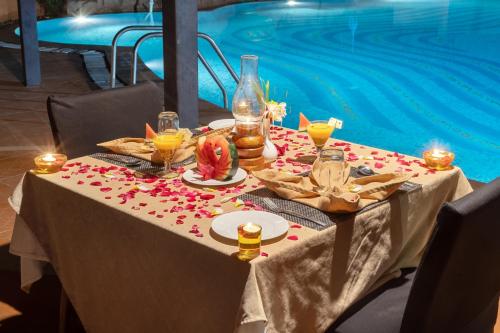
(402, 74)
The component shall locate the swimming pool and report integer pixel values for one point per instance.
(402, 74)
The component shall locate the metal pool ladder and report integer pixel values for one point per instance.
(157, 32)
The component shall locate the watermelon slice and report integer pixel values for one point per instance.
(216, 158)
(303, 122)
(150, 133)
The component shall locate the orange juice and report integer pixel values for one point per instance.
(320, 132)
(168, 141)
(249, 238)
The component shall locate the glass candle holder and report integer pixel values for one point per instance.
(438, 159)
(249, 239)
(248, 101)
(49, 163)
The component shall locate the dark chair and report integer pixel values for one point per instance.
(457, 285)
(78, 123)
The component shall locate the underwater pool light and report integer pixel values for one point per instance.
(80, 19)
(291, 3)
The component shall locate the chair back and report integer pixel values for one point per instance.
(457, 284)
(78, 123)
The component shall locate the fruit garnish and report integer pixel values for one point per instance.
(303, 122)
(150, 133)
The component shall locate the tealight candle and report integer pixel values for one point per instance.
(249, 238)
(438, 159)
(49, 163)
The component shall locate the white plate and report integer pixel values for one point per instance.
(221, 123)
(273, 225)
(194, 178)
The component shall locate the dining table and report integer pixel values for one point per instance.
(136, 253)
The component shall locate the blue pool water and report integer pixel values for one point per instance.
(402, 74)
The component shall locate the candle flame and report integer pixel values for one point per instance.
(436, 146)
(48, 158)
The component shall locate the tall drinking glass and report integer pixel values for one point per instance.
(167, 141)
(320, 131)
(332, 166)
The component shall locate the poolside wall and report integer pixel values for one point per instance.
(8, 10)
(75, 7)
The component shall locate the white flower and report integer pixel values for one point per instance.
(277, 110)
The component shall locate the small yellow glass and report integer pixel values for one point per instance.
(249, 239)
(49, 163)
(438, 159)
(320, 131)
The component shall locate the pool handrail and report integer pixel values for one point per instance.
(133, 64)
(114, 44)
(215, 77)
(135, 50)
(218, 51)
(159, 33)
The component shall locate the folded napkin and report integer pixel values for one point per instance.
(145, 149)
(331, 190)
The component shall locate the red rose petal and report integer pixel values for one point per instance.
(80, 182)
(293, 237)
(296, 226)
(379, 165)
(264, 254)
(96, 184)
(105, 189)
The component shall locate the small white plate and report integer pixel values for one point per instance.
(226, 225)
(222, 123)
(194, 178)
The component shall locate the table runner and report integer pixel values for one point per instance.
(139, 266)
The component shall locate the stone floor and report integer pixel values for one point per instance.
(24, 132)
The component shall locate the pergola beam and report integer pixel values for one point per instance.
(180, 50)
(29, 42)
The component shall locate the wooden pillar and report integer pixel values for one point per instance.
(29, 42)
(180, 50)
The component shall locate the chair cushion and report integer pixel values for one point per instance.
(379, 312)
(80, 122)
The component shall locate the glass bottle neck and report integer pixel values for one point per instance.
(249, 68)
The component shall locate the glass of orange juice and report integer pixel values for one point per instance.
(168, 140)
(249, 239)
(320, 131)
